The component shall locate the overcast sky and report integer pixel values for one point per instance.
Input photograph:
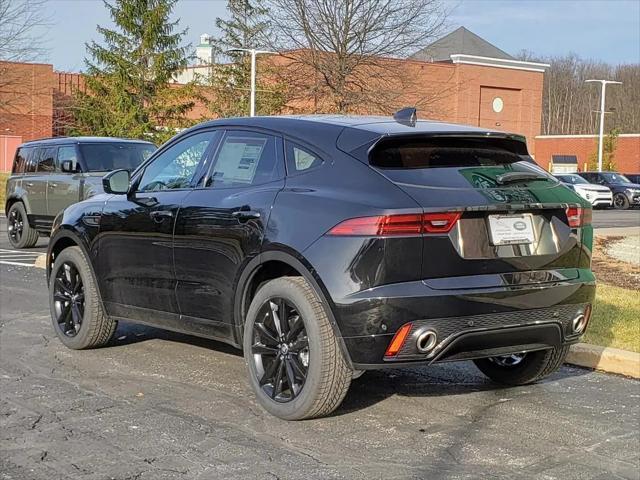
(607, 30)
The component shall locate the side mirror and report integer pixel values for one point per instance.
(116, 182)
(67, 167)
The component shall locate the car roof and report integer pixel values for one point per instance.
(374, 124)
(78, 140)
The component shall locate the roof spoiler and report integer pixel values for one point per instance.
(406, 116)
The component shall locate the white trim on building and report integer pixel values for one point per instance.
(499, 62)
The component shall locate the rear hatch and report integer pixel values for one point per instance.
(506, 214)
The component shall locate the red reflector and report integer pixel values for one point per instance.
(578, 216)
(404, 224)
(398, 340)
(440, 222)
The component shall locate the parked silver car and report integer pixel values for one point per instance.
(49, 175)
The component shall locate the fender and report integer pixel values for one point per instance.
(20, 195)
(62, 232)
(299, 263)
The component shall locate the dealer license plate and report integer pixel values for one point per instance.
(511, 229)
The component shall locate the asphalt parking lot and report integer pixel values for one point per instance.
(159, 405)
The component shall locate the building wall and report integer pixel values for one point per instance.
(460, 93)
(26, 99)
(519, 90)
(8, 146)
(626, 156)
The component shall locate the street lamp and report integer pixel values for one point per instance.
(253, 52)
(602, 98)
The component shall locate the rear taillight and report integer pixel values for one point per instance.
(398, 340)
(439, 222)
(578, 216)
(404, 224)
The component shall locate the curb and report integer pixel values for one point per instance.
(607, 359)
(41, 261)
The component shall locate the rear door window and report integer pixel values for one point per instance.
(32, 160)
(244, 159)
(47, 160)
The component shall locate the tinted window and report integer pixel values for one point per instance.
(445, 152)
(104, 157)
(572, 179)
(68, 153)
(22, 157)
(175, 167)
(47, 160)
(300, 159)
(32, 160)
(614, 178)
(243, 159)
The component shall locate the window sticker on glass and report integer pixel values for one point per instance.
(238, 159)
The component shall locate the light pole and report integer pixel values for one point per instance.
(602, 99)
(253, 52)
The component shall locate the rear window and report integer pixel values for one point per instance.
(22, 157)
(104, 157)
(442, 152)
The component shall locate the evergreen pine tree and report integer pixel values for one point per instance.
(230, 82)
(127, 79)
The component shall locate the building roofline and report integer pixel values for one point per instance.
(499, 62)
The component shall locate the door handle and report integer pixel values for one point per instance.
(53, 185)
(160, 215)
(29, 184)
(246, 214)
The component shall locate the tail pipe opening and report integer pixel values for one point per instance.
(426, 341)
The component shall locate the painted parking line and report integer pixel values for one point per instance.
(19, 258)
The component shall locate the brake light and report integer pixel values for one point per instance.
(404, 224)
(398, 340)
(578, 216)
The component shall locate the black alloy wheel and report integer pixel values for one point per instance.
(68, 298)
(15, 226)
(280, 350)
(620, 201)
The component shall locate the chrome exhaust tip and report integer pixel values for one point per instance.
(426, 341)
(579, 323)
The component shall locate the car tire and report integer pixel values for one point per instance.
(324, 380)
(85, 324)
(620, 201)
(20, 233)
(531, 367)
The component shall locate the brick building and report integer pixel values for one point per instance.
(570, 153)
(471, 82)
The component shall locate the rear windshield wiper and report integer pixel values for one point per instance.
(515, 177)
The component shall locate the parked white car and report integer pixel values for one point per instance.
(598, 195)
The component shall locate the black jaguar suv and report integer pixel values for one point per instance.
(324, 246)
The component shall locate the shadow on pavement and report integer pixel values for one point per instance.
(373, 386)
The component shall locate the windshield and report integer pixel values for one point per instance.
(104, 157)
(572, 179)
(615, 178)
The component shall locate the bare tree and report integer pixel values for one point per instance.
(343, 54)
(570, 105)
(20, 21)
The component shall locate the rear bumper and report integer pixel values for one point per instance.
(469, 322)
